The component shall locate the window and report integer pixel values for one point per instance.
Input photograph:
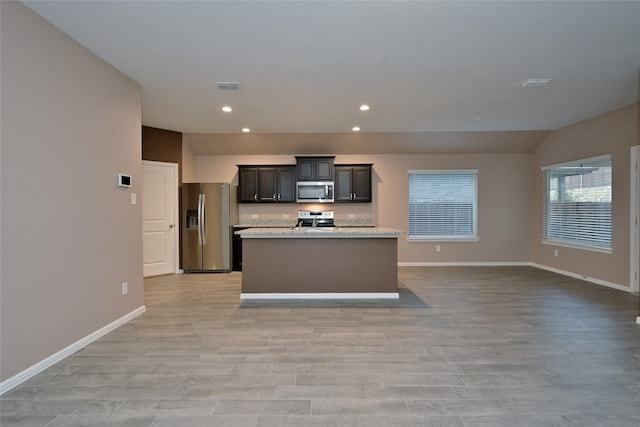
(578, 203)
(443, 205)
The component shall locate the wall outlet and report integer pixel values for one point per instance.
(125, 288)
(285, 216)
(134, 198)
(438, 248)
(254, 216)
(351, 216)
(555, 253)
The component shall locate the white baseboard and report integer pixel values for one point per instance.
(464, 264)
(515, 264)
(67, 351)
(339, 295)
(582, 277)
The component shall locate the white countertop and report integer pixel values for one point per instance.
(319, 232)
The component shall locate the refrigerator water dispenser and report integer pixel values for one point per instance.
(191, 219)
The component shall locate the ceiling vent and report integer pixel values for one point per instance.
(228, 85)
(534, 82)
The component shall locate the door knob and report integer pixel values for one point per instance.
(171, 225)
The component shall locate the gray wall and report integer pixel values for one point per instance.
(69, 236)
(504, 201)
(611, 133)
(510, 196)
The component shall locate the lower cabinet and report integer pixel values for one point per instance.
(353, 183)
(236, 262)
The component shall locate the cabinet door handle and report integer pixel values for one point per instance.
(278, 196)
(255, 197)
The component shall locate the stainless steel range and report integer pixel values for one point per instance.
(315, 219)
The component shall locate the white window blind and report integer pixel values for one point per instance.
(578, 203)
(443, 204)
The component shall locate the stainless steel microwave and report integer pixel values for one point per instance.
(314, 192)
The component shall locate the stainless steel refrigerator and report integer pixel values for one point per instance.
(209, 212)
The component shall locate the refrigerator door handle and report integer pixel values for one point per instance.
(200, 219)
(203, 226)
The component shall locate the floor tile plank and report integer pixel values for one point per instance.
(462, 346)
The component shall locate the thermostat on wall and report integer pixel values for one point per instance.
(124, 180)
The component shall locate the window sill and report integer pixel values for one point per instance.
(442, 239)
(574, 246)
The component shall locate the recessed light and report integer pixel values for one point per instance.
(355, 129)
(227, 109)
(364, 107)
(246, 130)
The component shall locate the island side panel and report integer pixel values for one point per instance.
(319, 265)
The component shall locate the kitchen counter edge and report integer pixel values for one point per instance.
(310, 233)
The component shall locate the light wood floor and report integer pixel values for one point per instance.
(462, 347)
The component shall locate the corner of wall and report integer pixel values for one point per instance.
(612, 133)
(84, 231)
(188, 162)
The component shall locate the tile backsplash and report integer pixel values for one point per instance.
(270, 216)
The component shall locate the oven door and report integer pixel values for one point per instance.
(314, 192)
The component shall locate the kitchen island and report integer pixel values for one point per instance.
(319, 263)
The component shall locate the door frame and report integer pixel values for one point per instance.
(176, 213)
(634, 220)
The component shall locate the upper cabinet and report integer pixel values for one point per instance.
(285, 184)
(266, 184)
(353, 183)
(247, 184)
(277, 183)
(315, 168)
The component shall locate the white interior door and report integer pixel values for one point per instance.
(159, 217)
(635, 220)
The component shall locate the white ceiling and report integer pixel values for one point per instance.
(307, 66)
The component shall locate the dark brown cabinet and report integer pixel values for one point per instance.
(247, 184)
(286, 183)
(315, 168)
(266, 184)
(353, 183)
(276, 184)
(237, 249)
